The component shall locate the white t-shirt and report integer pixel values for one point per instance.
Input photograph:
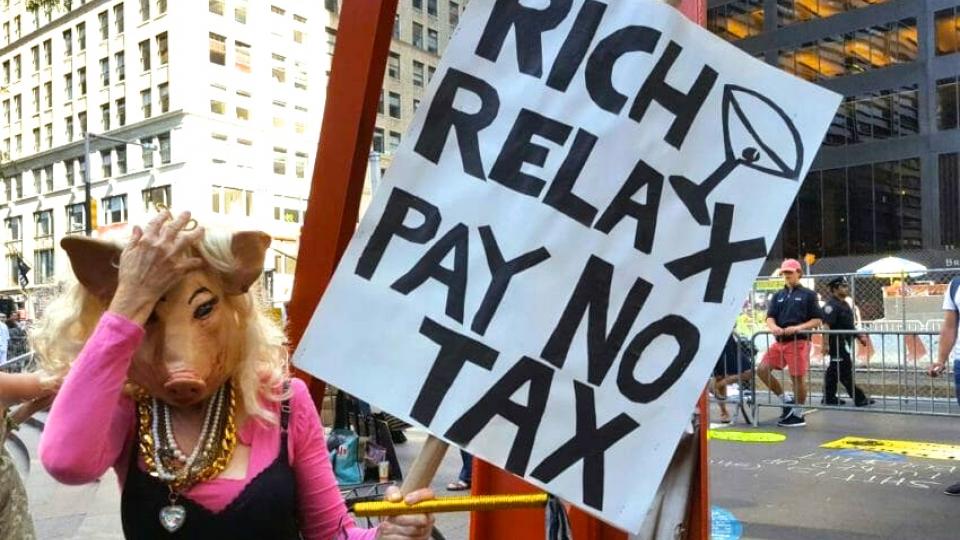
(950, 303)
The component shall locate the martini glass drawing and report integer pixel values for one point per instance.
(744, 112)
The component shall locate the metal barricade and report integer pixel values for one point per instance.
(896, 380)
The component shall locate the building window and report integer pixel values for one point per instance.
(118, 18)
(416, 104)
(242, 56)
(106, 161)
(156, 195)
(146, 104)
(331, 40)
(164, 91)
(48, 135)
(279, 160)
(145, 55)
(68, 87)
(35, 58)
(218, 49)
(146, 152)
(6, 113)
(69, 171)
(105, 117)
(82, 80)
(300, 76)
(161, 6)
(37, 181)
(82, 121)
(393, 65)
(121, 112)
(232, 201)
(946, 31)
(17, 68)
(331, 5)
(278, 11)
(17, 27)
(417, 35)
(48, 95)
(430, 71)
(950, 200)
(301, 165)
(279, 70)
(104, 26)
(104, 72)
(454, 14)
(378, 140)
(393, 142)
(162, 48)
(298, 35)
(120, 66)
(947, 104)
(418, 5)
(67, 42)
(36, 139)
(68, 128)
(17, 107)
(216, 7)
(875, 116)
(145, 10)
(43, 266)
(432, 41)
(43, 224)
(164, 140)
(417, 73)
(240, 12)
(242, 113)
(217, 107)
(14, 228)
(432, 7)
(115, 209)
(741, 18)
(6, 72)
(81, 37)
(76, 218)
(393, 105)
(121, 160)
(47, 53)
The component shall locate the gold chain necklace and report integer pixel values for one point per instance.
(173, 515)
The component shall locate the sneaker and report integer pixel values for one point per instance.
(792, 420)
(953, 490)
(787, 407)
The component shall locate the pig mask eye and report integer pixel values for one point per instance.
(205, 309)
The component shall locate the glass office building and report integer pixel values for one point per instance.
(886, 178)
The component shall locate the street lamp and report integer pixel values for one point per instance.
(88, 225)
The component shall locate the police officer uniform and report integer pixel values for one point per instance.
(838, 315)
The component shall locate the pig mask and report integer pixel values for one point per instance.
(194, 335)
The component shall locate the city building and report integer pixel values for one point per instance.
(886, 180)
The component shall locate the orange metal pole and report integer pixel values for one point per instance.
(363, 40)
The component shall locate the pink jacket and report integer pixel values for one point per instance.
(92, 426)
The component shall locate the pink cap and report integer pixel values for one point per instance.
(791, 265)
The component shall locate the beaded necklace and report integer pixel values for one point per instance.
(167, 462)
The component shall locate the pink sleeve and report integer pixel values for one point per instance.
(91, 418)
(322, 511)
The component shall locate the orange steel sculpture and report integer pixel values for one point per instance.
(363, 41)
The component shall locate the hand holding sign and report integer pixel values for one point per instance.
(523, 286)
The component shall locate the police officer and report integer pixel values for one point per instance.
(793, 311)
(838, 315)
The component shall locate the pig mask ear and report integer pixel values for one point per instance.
(249, 249)
(95, 263)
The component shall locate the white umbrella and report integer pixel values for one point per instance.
(892, 267)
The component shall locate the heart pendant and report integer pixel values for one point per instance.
(172, 517)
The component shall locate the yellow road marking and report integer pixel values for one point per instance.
(921, 449)
(745, 436)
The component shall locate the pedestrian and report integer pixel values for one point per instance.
(792, 311)
(15, 522)
(4, 338)
(465, 480)
(182, 386)
(838, 315)
(949, 349)
(17, 344)
(734, 365)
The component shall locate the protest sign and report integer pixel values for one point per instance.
(560, 247)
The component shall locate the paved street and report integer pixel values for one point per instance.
(787, 491)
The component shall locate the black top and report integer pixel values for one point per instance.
(791, 307)
(266, 508)
(839, 316)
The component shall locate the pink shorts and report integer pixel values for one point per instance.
(793, 355)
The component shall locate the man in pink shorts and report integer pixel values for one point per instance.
(792, 310)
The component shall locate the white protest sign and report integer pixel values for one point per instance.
(559, 250)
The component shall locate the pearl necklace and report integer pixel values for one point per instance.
(211, 421)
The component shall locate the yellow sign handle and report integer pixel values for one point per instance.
(451, 504)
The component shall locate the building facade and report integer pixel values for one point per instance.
(886, 180)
